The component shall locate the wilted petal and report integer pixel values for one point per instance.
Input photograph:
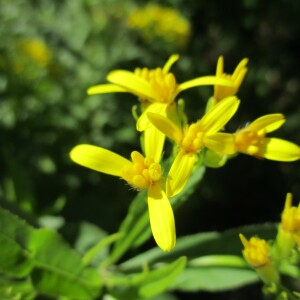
(220, 142)
(161, 218)
(105, 88)
(99, 159)
(268, 123)
(179, 173)
(153, 143)
(132, 83)
(166, 126)
(205, 80)
(217, 117)
(143, 122)
(279, 150)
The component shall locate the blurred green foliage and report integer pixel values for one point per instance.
(52, 51)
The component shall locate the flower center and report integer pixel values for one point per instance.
(248, 141)
(163, 85)
(143, 172)
(192, 139)
(257, 252)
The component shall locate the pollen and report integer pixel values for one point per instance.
(248, 141)
(256, 251)
(192, 141)
(143, 172)
(163, 84)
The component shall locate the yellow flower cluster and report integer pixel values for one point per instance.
(267, 258)
(155, 21)
(157, 90)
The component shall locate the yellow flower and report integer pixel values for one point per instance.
(141, 173)
(156, 89)
(156, 21)
(256, 251)
(221, 91)
(289, 229)
(252, 140)
(257, 254)
(191, 140)
(37, 50)
(290, 217)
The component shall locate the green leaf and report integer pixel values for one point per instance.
(58, 269)
(214, 279)
(148, 283)
(159, 280)
(200, 244)
(15, 257)
(16, 289)
(89, 236)
(54, 268)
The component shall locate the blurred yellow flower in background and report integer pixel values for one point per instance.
(155, 21)
(37, 50)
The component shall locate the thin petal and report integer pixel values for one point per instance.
(99, 159)
(205, 80)
(154, 142)
(161, 218)
(173, 58)
(219, 115)
(105, 88)
(166, 126)
(279, 150)
(268, 123)
(220, 142)
(220, 66)
(239, 68)
(179, 173)
(131, 82)
(143, 122)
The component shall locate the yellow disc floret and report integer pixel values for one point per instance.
(192, 140)
(256, 251)
(248, 141)
(143, 172)
(163, 84)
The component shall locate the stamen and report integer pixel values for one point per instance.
(143, 172)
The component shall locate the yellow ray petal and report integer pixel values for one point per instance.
(268, 123)
(161, 218)
(153, 143)
(99, 159)
(173, 58)
(166, 126)
(240, 67)
(143, 122)
(131, 82)
(105, 88)
(220, 142)
(279, 150)
(220, 66)
(179, 173)
(205, 80)
(219, 115)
